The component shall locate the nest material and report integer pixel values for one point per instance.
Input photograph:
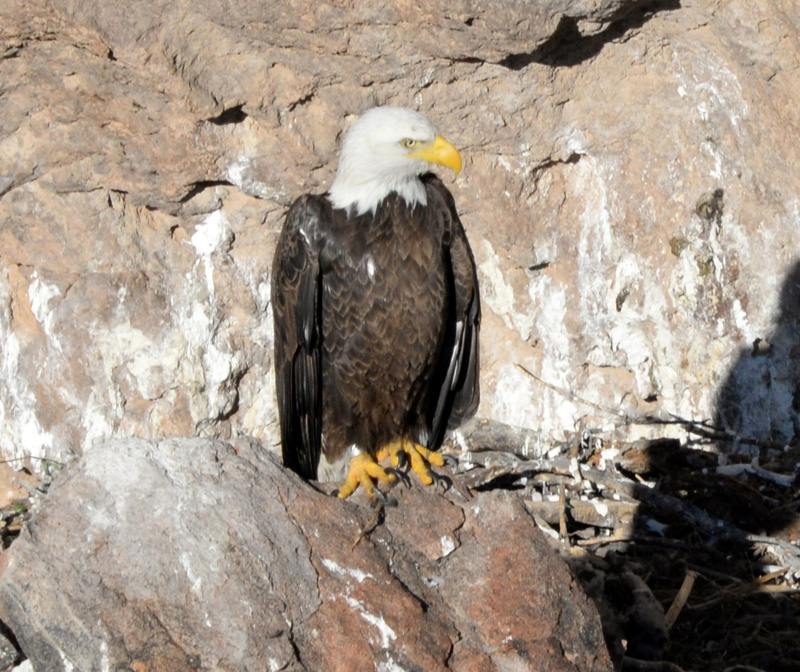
(692, 554)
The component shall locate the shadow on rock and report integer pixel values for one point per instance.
(725, 542)
(692, 564)
(707, 575)
(568, 46)
(758, 405)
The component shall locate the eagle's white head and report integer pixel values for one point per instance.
(387, 150)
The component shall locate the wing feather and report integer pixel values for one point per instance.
(297, 317)
(457, 391)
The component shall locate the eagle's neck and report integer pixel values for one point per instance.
(365, 194)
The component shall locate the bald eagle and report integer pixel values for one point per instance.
(376, 307)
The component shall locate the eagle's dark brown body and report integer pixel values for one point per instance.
(376, 326)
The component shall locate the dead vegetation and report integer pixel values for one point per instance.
(690, 551)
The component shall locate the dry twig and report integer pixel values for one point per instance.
(680, 599)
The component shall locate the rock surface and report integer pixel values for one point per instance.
(147, 158)
(188, 554)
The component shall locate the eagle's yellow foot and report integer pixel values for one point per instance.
(363, 471)
(403, 450)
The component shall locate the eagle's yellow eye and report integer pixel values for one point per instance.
(408, 143)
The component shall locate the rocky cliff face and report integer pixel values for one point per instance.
(630, 190)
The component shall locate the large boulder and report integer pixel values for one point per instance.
(191, 554)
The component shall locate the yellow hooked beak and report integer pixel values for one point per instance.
(439, 151)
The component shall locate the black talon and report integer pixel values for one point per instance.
(444, 480)
(451, 461)
(402, 460)
(381, 499)
(401, 476)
